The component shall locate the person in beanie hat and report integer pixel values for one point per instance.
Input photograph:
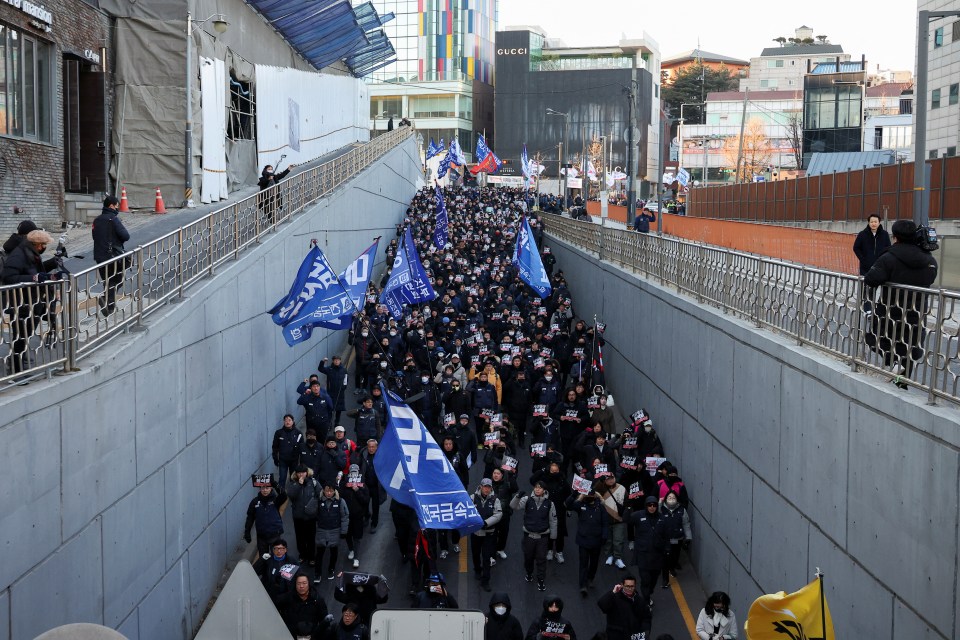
(483, 543)
(304, 492)
(25, 227)
(356, 495)
(551, 622)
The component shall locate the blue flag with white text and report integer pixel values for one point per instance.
(525, 167)
(440, 235)
(408, 282)
(445, 164)
(526, 258)
(315, 274)
(411, 467)
(433, 149)
(334, 307)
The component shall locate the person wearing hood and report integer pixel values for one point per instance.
(650, 545)
(333, 521)
(435, 594)
(356, 496)
(539, 527)
(896, 330)
(271, 203)
(483, 542)
(716, 621)
(676, 523)
(627, 612)
(304, 493)
(501, 623)
(551, 622)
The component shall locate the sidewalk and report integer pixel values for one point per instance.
(146, 226)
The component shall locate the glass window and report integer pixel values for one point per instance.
(951, 151)
(938, 38)
(954, 93)
(26, 96)
(932, 155)
(935, 99)
(956, 31)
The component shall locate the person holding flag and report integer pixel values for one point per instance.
(526, 258)
(440, 235)
(408, 282)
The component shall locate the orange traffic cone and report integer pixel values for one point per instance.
(158, 207)
(124, 205)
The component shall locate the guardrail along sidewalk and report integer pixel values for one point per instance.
(59, 322)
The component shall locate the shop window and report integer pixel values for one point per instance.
(26, 95)
(241, 116)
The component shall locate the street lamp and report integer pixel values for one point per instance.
(563, 149)
(220, 25)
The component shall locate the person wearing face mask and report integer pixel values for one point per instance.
(547, 389)
(592, 531)
(716, 621)
(518, 402)
(649, 547)
(428, 406)
(304, 492)
(501, 623)
(310, 452)
(677, 525)
(551, 623)
(648, 442)
(364, 346)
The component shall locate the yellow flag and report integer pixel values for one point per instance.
(794, 616)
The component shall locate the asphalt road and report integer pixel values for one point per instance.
(379, 554)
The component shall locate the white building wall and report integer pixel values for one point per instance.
(943, 123)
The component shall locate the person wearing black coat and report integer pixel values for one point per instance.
(501, 623)
(304, 493)
(109, 234)
(27, 306)
(628, 613)
(518, 402)
(896, 330)
(303, 610)
(355, 493)
(556, 483)
(872, 241)
(650, 545)
(287, 442)
(271, 203)
(275, 570)
(457, 401)
(336, 385)
(25, 227)
(592, 531)
(351, 626)
(331, 463)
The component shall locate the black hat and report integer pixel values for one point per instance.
(26, 226)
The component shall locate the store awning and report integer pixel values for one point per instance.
(327, 31)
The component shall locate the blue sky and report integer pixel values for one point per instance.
(885, 32)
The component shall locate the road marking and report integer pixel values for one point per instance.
(684, 609)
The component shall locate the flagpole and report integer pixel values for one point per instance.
(823, 608)
(593, 354)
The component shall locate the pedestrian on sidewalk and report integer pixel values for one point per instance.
(271, 203)
(109, 234)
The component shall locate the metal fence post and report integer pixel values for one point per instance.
(72, 337)
(181, 268)
(236, 232)
(758, 294)
(727, 276)
(934, 366)
(801, 305)
(211, 249)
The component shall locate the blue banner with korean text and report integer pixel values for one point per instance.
(411, 468)
(440, 236)
(408, 282)
(526, 258)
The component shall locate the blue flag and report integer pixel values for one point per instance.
(440, 235)
(408, 283)
(526, 258)
(433, 149)
(333, 307)
(413, 470)
(445, 163)
(525, 167)
(315, 274)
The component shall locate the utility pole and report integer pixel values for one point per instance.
(631, 170)
(743, 123)
(921, 170)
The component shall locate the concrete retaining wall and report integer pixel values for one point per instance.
(792, 461)
(128, 482)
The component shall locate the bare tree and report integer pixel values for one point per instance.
(794, 126)
(822, 39)
(755, 151)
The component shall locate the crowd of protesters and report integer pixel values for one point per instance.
(506, 382)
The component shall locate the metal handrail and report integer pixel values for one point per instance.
(826, 310)
(86, 315)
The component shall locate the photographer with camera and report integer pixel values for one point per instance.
(896, 329)
(27, 305)
(434, 594)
